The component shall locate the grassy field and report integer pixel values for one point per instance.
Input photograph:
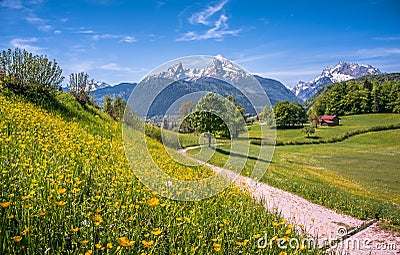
(359, 176)
(347, 124)
(66, 187)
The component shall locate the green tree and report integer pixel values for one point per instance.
(267, 115)
(184, 111)
(107, 105)
(80, 87)
(308, 131)
(217, 116)
(115, 108)
(119, 105)
(289, 114)
(30, 74)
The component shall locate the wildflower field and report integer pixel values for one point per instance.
(66, 188)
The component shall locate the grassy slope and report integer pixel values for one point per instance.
(359, 176)
(65, 185)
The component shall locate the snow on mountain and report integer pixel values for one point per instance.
(219, 67)
(341, 72)
(100, 85)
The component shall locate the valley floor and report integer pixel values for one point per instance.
(324, 226)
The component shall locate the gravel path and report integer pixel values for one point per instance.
(314, 220)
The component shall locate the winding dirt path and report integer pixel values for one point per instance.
(352, 235)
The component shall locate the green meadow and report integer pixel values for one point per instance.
(358, 176)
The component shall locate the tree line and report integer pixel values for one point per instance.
(346, 98)
(284, 114)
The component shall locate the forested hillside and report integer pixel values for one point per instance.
(368, 94)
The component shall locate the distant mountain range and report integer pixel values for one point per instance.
(217, 77)
(190, 80)
(341, 72)
(123, 90)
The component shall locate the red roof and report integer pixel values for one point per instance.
(328, 117)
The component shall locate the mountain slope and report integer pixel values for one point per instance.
(123, 90)
(276, 91)
(341, 72)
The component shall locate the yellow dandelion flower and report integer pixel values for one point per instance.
(217, 246)
(42, 214)
(17, 239)
(283, 253)
(147, 244)
(124, 242)
(156, 232)
(200, 236)
(288, 232)
(26, 230)
(98, 246)
(153, 202)
(256, 236)
(84, 242)
(61, 191)
(109, 246)
(10, 217)
(25, 197)
(5, 204)
(74, 230)
(97, 219)
(89, 252)
(61, 203)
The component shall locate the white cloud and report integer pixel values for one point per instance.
(218, 29)
(116, 67)
(12, 4)
(203, 16)
(123, 38)
(25, 44)
(128, 39)
(85, 32)
(160, 4)
(57, 32)
(388, 38)
(34, 19)
(377, 52)
(218, 32)
(104, 36)
(45, 28)
(257, 57)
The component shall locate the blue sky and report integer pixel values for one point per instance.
(117, 41)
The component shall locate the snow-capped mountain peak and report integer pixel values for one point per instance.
(219, 67)
(342, 71)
